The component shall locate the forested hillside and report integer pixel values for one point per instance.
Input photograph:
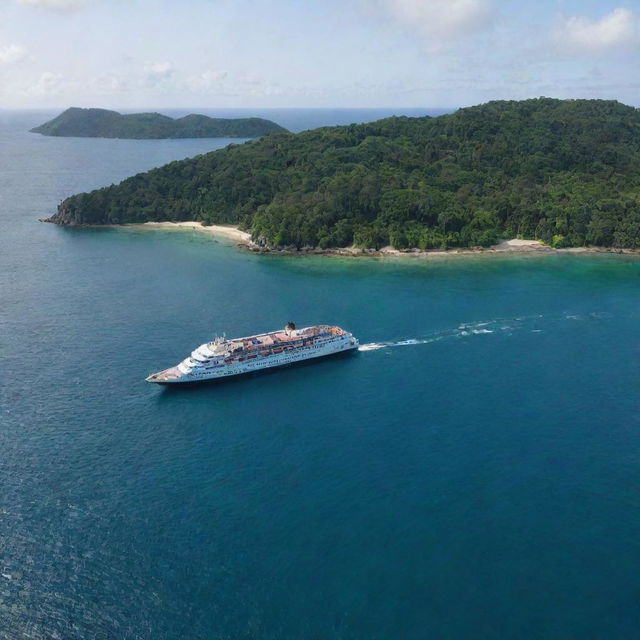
(102, 123)
(563, 171)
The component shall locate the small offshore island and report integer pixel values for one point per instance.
(102, 123)
(562, 172)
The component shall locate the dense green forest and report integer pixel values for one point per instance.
(563, 171)
(102, 123)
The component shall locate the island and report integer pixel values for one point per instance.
(102, 123)
(564, 172)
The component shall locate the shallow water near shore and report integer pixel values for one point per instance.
(472, 472)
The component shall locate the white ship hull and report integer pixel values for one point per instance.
(224, 359)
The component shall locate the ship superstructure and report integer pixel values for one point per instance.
(222, 358)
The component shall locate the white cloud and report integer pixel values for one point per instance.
(442, 20)
(207, 81)
(160, 69)
(108, 84)
(12, 53)
(56, 5)
(579, 34)
(48, 84)
(158, 74)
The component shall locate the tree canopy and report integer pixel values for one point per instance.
(102, 123)
(563, 171)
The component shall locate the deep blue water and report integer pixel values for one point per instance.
(482, 483)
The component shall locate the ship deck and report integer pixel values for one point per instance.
(167, 375)
(271, 338)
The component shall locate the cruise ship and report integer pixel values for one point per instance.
(223, 358)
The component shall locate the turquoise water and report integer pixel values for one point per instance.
(473, 474)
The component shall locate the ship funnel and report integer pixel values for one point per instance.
(291, 326)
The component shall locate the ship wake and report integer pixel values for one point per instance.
(501, 326)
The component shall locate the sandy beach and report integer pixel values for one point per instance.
(221, 231)
(243, 240)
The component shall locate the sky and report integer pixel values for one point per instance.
(314, 53)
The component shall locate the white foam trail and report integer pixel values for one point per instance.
(373, 346)
(502, 326)
(462, 331)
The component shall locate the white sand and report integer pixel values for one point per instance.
(223, 231)
(518, 245)
(507, 246)
(515, 245)
(242, 237)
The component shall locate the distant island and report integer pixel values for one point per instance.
(102, 123)
(566, 172)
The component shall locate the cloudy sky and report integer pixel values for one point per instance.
(314, 53)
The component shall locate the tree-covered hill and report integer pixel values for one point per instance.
(102, 123)
(563, 171)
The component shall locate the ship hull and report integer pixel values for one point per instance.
(256, 372)
(253, 362)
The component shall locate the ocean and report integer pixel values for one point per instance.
(473, 472)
